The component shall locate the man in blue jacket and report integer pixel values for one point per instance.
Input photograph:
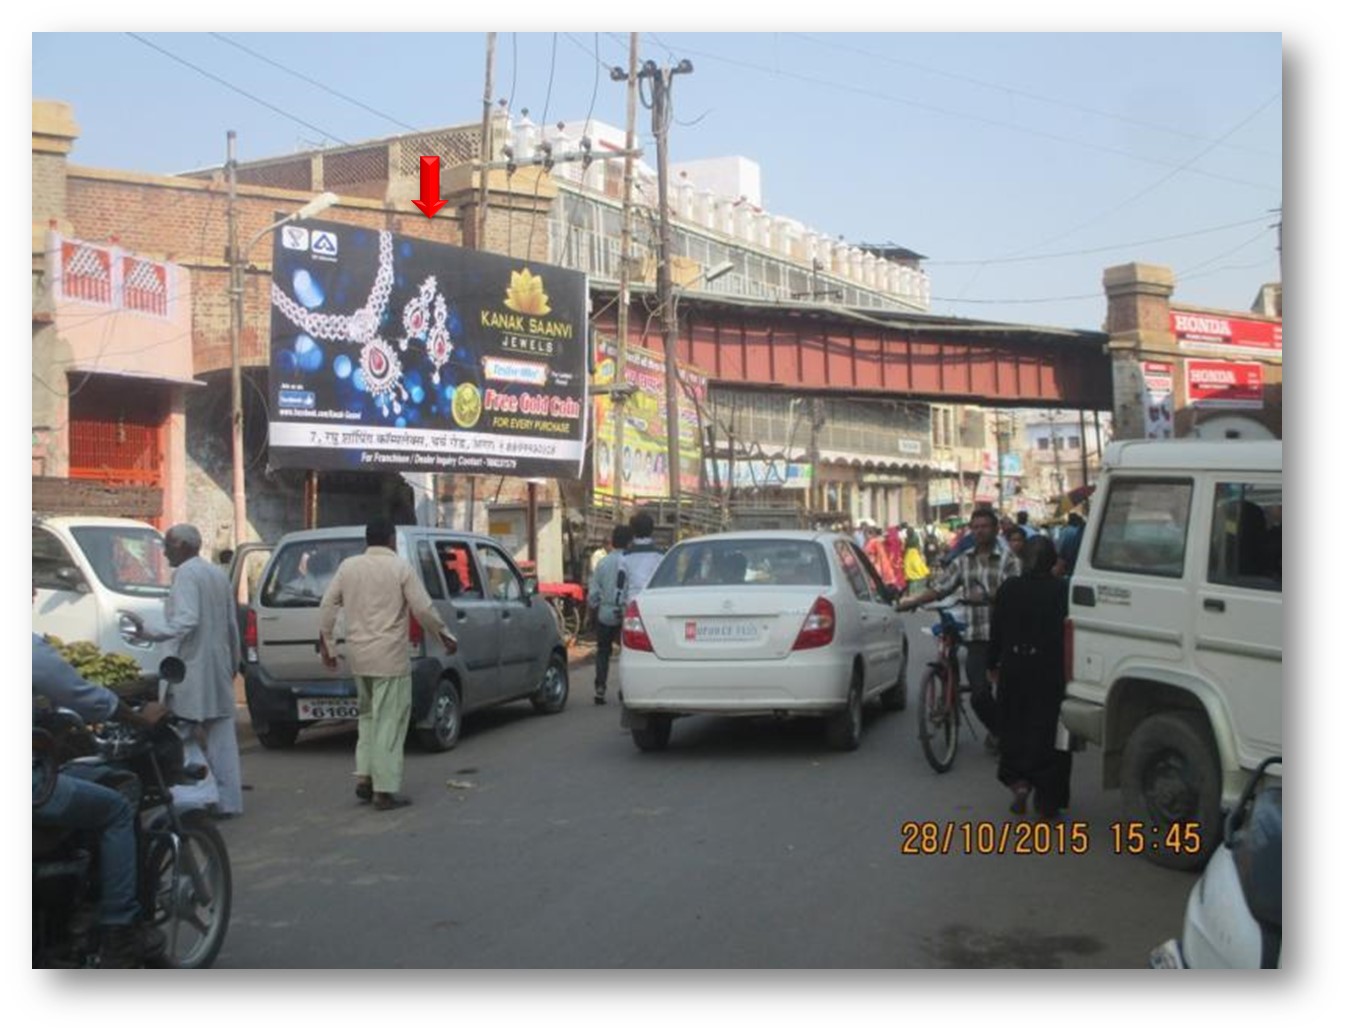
(606, 603)
(78, 803)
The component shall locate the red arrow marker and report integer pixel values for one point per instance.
(430, 202)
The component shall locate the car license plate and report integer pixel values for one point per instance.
(1167, 956)
(315, 709)
(720, 631)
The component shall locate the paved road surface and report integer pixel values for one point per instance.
(550, 841)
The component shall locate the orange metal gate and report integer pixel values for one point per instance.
(116, 433)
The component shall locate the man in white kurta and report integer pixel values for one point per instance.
(200, 618)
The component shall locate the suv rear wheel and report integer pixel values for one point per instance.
(1171, 774)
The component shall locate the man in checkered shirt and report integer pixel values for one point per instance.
(978, 575)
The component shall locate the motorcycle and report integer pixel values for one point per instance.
(1234, 914)
(184, 886)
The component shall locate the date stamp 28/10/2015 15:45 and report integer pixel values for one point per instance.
(1044, 838)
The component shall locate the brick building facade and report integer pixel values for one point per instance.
(1185, 370)
(183, 220)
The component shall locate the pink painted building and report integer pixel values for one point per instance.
(111, 369)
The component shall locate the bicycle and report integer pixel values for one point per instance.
(571, 616)
(941, 710)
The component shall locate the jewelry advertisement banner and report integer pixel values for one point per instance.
(394, 353)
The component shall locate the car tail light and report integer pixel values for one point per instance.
(250, 636)
(1069, 649)
(818, 627)
(634, 635)
(416, 637)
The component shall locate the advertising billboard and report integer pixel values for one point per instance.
(1223, 385)
(393, 353)
(645, 435)
(1159, 402)
(1205, 330)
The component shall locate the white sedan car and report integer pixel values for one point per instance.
(761, 623)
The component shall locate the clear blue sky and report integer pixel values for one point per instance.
(1021, 165)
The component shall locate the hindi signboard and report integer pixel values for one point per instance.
(395, 353)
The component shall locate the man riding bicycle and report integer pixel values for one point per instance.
(979, 573)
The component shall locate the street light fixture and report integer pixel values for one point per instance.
(237, 261)
(671, 387)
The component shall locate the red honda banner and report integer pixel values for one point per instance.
(1208, 330)
(1213, 384)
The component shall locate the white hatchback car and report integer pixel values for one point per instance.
(761, 623)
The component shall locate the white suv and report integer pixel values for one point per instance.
(1174, 644)
(89, 572)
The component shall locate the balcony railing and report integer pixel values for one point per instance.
(585, 233)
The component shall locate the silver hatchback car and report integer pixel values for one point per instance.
(509, 646)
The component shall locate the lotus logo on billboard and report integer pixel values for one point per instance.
(526, 294)
(401, 353)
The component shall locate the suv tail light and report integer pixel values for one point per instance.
(818, 627)
(634, 636)
(1069, 650)
(416, 637)
(250, 636)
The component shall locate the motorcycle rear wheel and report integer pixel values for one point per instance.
(194, 929)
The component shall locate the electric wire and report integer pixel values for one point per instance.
(982, 119)
(1140, 193)
(1093, 251)
(1017, 92)
(1187, 273)
(542, 127)
(314, 82)
(228, 85)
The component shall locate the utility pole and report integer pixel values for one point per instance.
(1084, 453)
(815, 425)
(235, 357)
(486, 140)
(1058, 476)
(661, 80)
(487, 149)
(619, 395)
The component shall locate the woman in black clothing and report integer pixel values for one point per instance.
(1025, 654)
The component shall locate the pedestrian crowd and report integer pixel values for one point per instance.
(1012, 580)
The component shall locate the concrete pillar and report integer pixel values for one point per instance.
(1138, 328)
(175, 457)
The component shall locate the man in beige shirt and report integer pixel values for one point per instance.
(377, 590)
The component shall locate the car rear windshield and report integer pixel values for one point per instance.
(743, 562)
(1144, 528)
(126, 560)
(300, 571)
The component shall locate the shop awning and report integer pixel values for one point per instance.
(871, 461)
(138, 375)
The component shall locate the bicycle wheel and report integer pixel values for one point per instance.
(938, 719)
(568, 617)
